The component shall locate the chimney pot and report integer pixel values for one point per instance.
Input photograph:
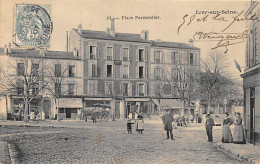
(191, 42)
(9, 48)
(108, 31)
(112, 29)
(5, 50)
(147, 34)
(80, 29)
(143, 34)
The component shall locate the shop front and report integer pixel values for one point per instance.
(70, 108)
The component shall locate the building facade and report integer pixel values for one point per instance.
(118, 68)
(51, 81)
(251, 76)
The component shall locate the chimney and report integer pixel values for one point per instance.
(5, 50)
(67, 45)
(80, 29)
(9, 48)
(147, 34)
(112, 29)
(143, 34)
(75, 52)
(41, 52)
(108, 31)
(191, 42)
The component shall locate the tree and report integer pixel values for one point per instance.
(55, 77)
(215, 84)
(24, 77)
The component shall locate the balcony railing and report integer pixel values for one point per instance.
(92, 56)
(125, 76)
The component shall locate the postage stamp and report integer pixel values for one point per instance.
(33, 25)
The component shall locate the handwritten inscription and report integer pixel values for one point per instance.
(224, 38)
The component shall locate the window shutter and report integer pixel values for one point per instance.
(146, 72)
(129, 89)
(137, 71)
(154, 73)
(162, 57)
(105, 70)
(145, 89)
(87, 51)
(98, 72)
(137, 54)
(154, 56)
(90, 70)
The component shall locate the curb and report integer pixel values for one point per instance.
(243, 158)
(5, 155)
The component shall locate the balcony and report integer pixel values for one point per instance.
(141, 94)
(92, 56)
(125, 76)
(125, 58)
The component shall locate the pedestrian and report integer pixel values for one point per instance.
(86, 116)
(226, 132)
(140, 124)
(167, 121)
(197, 117)
(183, 121)
(93, 117)
(135, 116)
(209, 125)
(239, 137)
(129, 125)
(130, 115)
(43, 116)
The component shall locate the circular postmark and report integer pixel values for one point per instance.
(33, 26)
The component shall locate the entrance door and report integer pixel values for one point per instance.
(252, 115)
(46, 108)
(68, 113)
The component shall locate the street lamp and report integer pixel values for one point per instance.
(225, 103)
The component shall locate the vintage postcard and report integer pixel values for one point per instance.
(129, 82)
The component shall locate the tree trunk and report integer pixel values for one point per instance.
(183, 110)
(209, 106)
(57, 109)
(26, 109)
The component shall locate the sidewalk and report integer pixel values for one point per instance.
(248, 153)
(4, 153)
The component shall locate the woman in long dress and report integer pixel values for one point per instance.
(226, 132)
(140, 124)
(239, 137)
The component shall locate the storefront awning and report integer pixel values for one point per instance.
(137, 99)
(169, 103)
(70, 103)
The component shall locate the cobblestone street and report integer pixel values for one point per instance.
(109, 142)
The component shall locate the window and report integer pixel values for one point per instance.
(141, 89)
(191, 59)
(125, 54)
(175, 58)
(71, 89)
(108, 87)
(35, 89)
(141, 72)
(20, 69)
(157, 73)
(20, 87)
(71, 70)
(167, 89)
(57, 89)
(125, 71)
(109, 53)
(92, 87)
(157, 57)
(125, 89)
(57, 70)
(94, 70)
(35, 69)
(141, 55)
(109, 70)
(93, 51)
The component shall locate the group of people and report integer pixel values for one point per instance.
(227, 137)
(139, 120)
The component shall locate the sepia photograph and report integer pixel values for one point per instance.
(129, 82)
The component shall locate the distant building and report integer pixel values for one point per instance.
(61, 72)
(251, 76)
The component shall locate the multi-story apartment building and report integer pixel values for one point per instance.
(251, 76)
(114, 68)
(166, 61)
(118, 68)
(51, 79)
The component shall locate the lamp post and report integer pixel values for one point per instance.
(225, 103)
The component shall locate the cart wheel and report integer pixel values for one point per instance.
(104, 117)
(98, 117)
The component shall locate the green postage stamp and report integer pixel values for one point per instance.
(32, 25)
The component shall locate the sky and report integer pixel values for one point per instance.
(92, 14)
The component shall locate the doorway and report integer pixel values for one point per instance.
(46, 108)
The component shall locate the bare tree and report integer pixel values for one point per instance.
(27, 80)
(55, 77)
(215, 84)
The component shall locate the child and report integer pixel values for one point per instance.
(129, 125)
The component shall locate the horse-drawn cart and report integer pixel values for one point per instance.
(100, 111)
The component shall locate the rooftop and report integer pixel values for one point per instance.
(173, 45)
(118, 36)
(132, 38)
(36, 53)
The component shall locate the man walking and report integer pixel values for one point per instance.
(208, 125)
(167, 120)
